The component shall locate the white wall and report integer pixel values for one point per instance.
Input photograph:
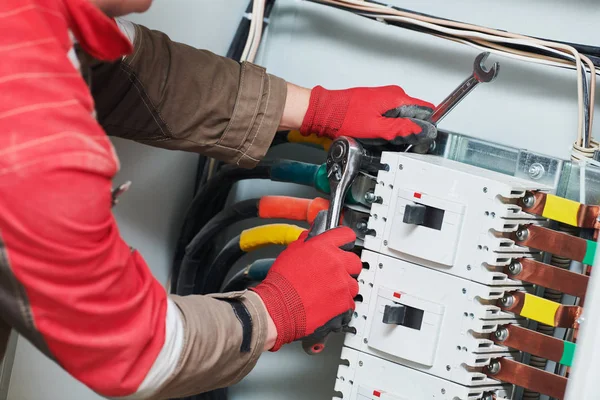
(528, 106)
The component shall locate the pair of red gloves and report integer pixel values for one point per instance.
(312, 283)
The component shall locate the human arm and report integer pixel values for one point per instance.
(68, 281)
(171, 95)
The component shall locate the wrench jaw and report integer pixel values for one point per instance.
(481, 72)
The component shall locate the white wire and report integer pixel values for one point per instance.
(516, 56)
(494, 38)
(258, 30)
(253, 21)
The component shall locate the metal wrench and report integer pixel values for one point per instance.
(480, 74)
(344, 161)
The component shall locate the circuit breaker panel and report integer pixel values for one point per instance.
(440, 290)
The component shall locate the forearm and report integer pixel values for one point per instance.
(171, 95)
(223, 337)
(296, 104)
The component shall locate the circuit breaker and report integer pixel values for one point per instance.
(434, 273)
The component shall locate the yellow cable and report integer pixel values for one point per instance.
(266, 235)
(297, 137)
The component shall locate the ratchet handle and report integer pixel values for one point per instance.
(319, 225)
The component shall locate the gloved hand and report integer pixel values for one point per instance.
(369, 113)
(310, 284)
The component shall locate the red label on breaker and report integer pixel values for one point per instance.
(417, 195)
(376, 393)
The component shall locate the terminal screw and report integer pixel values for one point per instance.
(529, 200)
(371, 198)
(507, 301)
(493, 368)
(522, 234)
(501, 334)
(362, 227)
(515, 268)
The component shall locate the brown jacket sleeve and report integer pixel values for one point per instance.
(174, 96)
(224, 335)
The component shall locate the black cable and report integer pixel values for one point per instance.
(209, 200)
(219, 268)
(239, 281)
(194, 260)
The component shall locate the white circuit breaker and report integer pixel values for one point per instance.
(450, 216)
(432, 278)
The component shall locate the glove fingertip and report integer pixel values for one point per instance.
(353, 263)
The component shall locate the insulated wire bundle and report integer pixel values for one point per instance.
(512, 45)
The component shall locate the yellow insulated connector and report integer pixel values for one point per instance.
(561, 210)
(266, 235)
(539, 309)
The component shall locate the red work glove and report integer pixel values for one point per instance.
(369, 113)
(310, 284)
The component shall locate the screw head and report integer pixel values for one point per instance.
(508, 300)
(365, 340)
(464, 291)
(536, 171)
(380, 266)
(360, 363)
(485, 190)
(443, 391)
(529, 200)
(448, 368)
(493, 368)
(370, 197)
(515, 268)
(401, 167)
(385, 242)
(522, 234)
(362, 226)
(468, 267)
(501, 334)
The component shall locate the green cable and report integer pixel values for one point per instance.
(568, 354)
(305, 174)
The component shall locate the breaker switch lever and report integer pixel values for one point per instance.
(414, 214)
(394, 315)
(400, 314)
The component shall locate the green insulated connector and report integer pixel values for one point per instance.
(590, 252)
(568, 354)
(321, 181)
(322, 184)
